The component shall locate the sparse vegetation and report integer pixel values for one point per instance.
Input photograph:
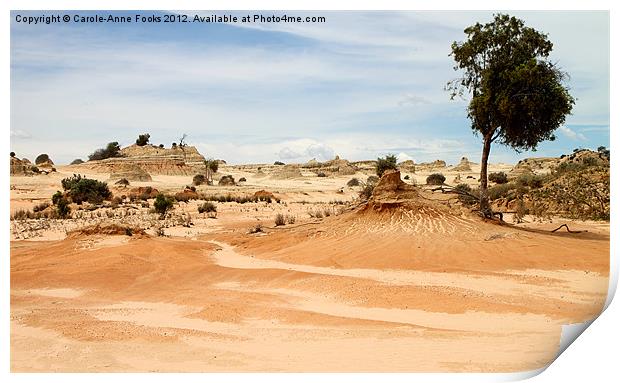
(122, 182)
(258, 228)
(498, 177)
(143, 139)
(280, 220)
(111, 150)
(40, 207)
(80, 189)
(163, 204)
(290, 219)
(77, 161)
(387, 163)
(466, 195)
(209, 208)
(435, 179)
(353, 182)
(198, 179)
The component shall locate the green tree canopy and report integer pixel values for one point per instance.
(518, 97)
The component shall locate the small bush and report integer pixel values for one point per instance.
(111, 150)
(143, 139)
(56, 197)
(509, 191)
(81, 189)
(353, 182)
(162, 204)
(290, 219)
(161, 146)
(466, 194)
(12, 154)
(209, 208)
(199, 179)
(226, 180)
(498, 177)
(280, 220)
(41, 158)
(435, 179)
(367, 190)
(122, 182)
(62, 207)
(35, 169)
(256, 229)
(531, 180)
(321, 174)
(387, 163)
(278, 163)
(242, 179)
(406, 177)
(40, 207)
(77, 161)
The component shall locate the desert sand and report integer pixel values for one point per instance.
(405, 289)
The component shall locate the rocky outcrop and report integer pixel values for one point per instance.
(153, 160)
(463, 166)
(337, 166)
(21, 167)
(429, 166)
(130, 172)
(286, 172)
(391, 189)
(407, 166)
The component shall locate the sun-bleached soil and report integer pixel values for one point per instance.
(360, 290)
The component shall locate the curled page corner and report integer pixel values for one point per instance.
(570, 332)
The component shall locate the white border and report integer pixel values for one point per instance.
(590, 357)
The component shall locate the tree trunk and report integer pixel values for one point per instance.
(485, 207)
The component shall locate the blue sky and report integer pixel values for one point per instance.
(361, 85)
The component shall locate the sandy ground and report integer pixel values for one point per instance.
(400, 291)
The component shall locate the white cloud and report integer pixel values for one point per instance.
(404, 157)
(19, 134)
(568, 132)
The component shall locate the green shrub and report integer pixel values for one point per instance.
(435, 179)
(111, 150)
(212, 165)
(40, 207)
(162, 204)
(467, 196)
(280, 220)
(353, 182)
(143, 139)
(56, 197)
(199, 179)
(383, 164)
(81, 189)
(498, 177)
(209, 208)
(62, 207)
(530, 180)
